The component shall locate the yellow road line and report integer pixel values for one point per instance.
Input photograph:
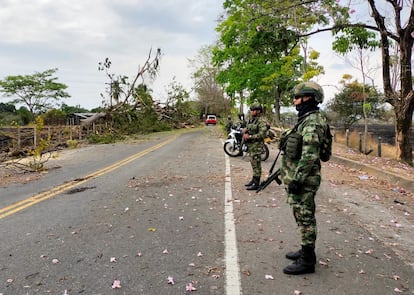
(23, 204)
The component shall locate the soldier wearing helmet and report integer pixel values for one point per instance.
(254, 135)
(301, 171)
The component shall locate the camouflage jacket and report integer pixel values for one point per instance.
(306, 166)
(257, 129)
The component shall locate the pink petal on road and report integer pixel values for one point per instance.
(190, 287)
(116, 284)
(170, 280)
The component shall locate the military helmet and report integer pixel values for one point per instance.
(309, 88)
(256, 106)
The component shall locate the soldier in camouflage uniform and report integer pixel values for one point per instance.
(254, 135)
(301, 172)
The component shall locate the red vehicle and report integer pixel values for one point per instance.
(211, 119)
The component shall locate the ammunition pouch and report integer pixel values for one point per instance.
(293, 148)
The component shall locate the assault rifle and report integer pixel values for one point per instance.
(272, 176)
(275, 175)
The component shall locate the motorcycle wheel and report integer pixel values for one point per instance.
(265, 152)
(231, 151)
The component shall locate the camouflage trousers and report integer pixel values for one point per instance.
(256, 159)
(303, 207)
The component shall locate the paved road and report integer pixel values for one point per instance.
(174, 209)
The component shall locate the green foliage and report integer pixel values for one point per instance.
(38, 91)
(104, 138)
(9, 116)
(38, 158)
(259, 48)
(24, 115)
(349, 103)
(352, 38)
(54, 117)
(71, 143)
(72, 109)
(127, 120)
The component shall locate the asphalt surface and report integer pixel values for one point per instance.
(177, 217)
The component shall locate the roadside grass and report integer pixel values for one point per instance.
(387, 150)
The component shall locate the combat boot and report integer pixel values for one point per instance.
(304, 264)
(250, 182)
(294, 255)
(255, 185)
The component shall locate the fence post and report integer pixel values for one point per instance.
(19, 138)
(347, 137)
(360, 142)
(379, 146)
(35, 136)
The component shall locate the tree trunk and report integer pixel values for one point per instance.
(403, 114)
(402, 101)
(277, 107)
(405, 105)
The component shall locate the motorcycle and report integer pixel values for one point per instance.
(235, 146)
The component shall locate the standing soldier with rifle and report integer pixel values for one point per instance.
(254, 135)
(301, 172)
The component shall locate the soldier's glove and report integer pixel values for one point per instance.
(295, 187)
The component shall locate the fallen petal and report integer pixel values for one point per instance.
(165, 251)
(113, 259)
(190, 287)
(55, 261)
(269, 277)
(297, 292)
(397, 290)
(116, 284)
(170, 280)
(199, 254)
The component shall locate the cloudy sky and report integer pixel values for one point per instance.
(74, 36)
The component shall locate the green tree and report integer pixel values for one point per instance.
(363, 42)
(393, 20)
(259, 52)
(120, 89)
(210, 93)
(38, 92)
(67, 109)
(177, 99)
(353, 100)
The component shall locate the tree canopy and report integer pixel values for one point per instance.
(350, 102)
(39, 91)
(255, 37)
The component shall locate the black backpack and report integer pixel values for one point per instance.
(325, 150)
